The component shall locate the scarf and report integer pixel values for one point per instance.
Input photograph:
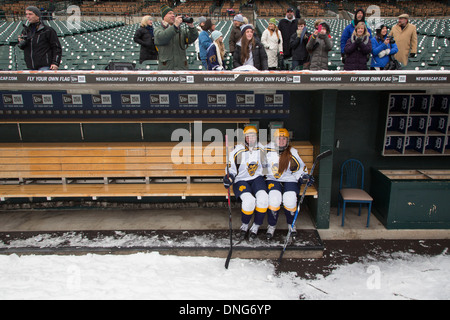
(150, 29)
(303, 34)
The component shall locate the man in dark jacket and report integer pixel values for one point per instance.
(288, 27)
(40, 43)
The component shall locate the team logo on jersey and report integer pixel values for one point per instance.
(270, 186)
(275, 172)
(252, 167)
(242, 188)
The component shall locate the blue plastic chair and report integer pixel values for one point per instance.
(351, 188)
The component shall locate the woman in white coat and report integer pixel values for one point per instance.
(273, 43)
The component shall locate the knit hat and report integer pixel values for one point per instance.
(239, 18)
(201, 19)
(245, 27)
(216, 35)
(165, 9)
(273, 20)
(35, 10)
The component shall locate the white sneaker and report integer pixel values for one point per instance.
(270, 232)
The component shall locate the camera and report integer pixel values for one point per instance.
(187, 19)
(391, 39)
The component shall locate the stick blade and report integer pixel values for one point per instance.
(324, 154)
(227, 262)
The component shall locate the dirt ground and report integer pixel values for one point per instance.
(339, 252)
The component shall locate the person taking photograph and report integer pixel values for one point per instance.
(172, 40)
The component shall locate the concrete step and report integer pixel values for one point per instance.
(211, 243)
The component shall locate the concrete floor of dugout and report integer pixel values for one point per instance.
(196, 219)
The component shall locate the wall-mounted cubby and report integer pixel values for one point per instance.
(417, 125)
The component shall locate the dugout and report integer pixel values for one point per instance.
(346, 112)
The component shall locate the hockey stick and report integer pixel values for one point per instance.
(230, 252)
(318, 158)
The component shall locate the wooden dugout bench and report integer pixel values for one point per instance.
(96, 170)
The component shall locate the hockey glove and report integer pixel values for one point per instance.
(307, 179)
(228, 181)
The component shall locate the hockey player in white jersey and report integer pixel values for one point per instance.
(286, 172)
(246, 176)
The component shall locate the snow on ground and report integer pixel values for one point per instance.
(155, 276)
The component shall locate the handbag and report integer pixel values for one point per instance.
(393, 64)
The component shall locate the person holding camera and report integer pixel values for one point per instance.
(318, 46)
(383, 46)
(42, 49)
(405, 35)
(358, 48)
(172, 39)
(300, 56)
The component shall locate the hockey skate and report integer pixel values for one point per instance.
(270, 232)
(243, 231)
(254, 231)
(293, 231)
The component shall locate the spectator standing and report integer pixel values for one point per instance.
(382, 47)
(300, 56)
(358, 49)
(204, 40)
(201, 22)
(360, 16)
(288, 27)
(319, 44)
(405, 35)
(235, 34)
(40, 43)
(146, 38)
(249, 50)
(172, 40)
(216, 52)
(273, 43)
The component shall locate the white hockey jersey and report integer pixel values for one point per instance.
(246, 164)
(293, 173)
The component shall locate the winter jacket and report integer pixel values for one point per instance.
(204, 41)
(357, 51)
(214, 59)
(42, 47)
(235, 36)
(259, 56)
(146, 39)
(172, 43)
(347, 33)
(298, 47)
(381, 52)
(406, 40)
(273, 45)
(318, 48)
(287, 28)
